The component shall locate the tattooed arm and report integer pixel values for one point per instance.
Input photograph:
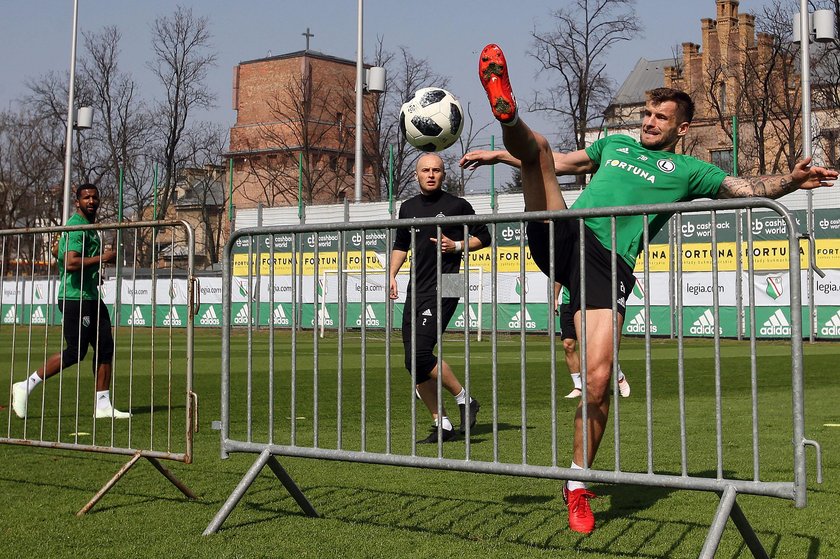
(776, 186)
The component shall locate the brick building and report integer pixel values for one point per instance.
(295, 131)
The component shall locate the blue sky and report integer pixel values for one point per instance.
(450, 34)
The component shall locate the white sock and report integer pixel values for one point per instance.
(33, 381)
(576, 380)
(447, 425)
(572, 485)
(461, 398)
(103, 399)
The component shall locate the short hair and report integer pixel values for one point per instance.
(85, 186)
(685, 106)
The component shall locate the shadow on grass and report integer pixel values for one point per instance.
(630, 526)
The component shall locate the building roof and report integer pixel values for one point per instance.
(647, 75)
(302, 53)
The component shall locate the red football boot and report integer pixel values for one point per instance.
(581, 518)
(492, 71)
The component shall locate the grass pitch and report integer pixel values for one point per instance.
(383, 511)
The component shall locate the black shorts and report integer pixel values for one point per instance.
(425, 331)
(567, 251)
(567, 322)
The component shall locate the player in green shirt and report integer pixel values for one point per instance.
(626, 173)
(85, 317)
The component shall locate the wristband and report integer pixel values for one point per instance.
(458, 246)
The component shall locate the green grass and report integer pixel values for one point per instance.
(384, 511)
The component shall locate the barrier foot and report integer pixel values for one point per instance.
(264, 458)
(171, 477)
(728, 508)
(292, 488)
(747, 532)
(111, 482)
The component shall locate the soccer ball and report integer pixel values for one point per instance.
(432, 119)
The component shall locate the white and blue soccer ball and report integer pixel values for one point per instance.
(432, 119)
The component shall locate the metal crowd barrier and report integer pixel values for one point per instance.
(152, 370)
(288, 392)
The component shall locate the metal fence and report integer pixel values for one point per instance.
(152, 369)
(296, 394)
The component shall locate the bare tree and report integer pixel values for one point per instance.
(182, 57)
(123, 128)
(456, 178)
(575, 52)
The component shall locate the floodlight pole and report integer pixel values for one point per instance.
(360, 81)
(68, 142)
(805, 63)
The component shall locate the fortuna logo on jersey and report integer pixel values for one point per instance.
(209, 318)
(832, 327)
(11, 316)
(172, 318)
(515, 321)
(243, 316)
(776, 325)
(459, 322)
(370, 318)
(279, 316)
(136, 318)
(38, 316)
(705, 325)
(631, 169)
(638, 324)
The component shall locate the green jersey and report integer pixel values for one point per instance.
(83, 284)
(628, 175)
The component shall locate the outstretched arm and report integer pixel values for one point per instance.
(571, 163)
(775, 186)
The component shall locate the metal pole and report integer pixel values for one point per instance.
(68, 141)
(734, 145)
(805, 63)
(360, 82)
(492, 177)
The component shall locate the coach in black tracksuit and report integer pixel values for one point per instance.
(433, 202)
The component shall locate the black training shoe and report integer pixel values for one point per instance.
(446, 434)
(474, 407)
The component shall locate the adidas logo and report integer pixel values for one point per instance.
(832, 327)
(515, 322)
(459, 322)
(243, 316)
(172, 318)
(324, 317)
(623, 150)
(427, 312)
(776, 325)
(11, 316)
(38, 316)
(136, 318)
(279, 316)
(639, 324)
(705, 325)
(209, 317)
(370, 317)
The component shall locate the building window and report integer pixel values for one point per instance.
(723, 159)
